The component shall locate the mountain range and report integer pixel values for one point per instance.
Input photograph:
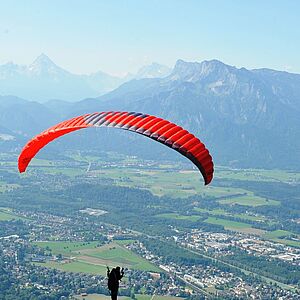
(44, 80)
(247, 118)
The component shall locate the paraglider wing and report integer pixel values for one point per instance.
(155, 128)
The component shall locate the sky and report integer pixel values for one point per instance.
(118, 36)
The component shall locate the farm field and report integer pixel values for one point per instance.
(243, 227)
(222, 212)
(67, 248)
(7, 186)
(160, 180)
(234, 225)
(71, 172)
(277, 234)
(75, 266)
(192, 218)
(138, 297)
(250, 200)
(89, 257)
(113, 253)
(179, 184)
(281, 236)
(274, 175)
(6, 215)
(259, 175)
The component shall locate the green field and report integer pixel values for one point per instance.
(67, 248)
(161, 180)
(222, 212)
(89, 257)
(114, 253)
(259, 175)
(287, 242)
(227, 224)
(282, 236)
(4, 187)
(71, 172)
(249, 200)
(234, 225)
(179, 184)
(7, 215)
(277, 234)
(124, 242)
(138, 297)
(192, 218)
(76, 267)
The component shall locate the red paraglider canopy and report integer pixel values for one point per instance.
(157, 129)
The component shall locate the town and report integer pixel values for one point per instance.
(35, 265)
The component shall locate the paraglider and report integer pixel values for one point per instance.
(153, 127)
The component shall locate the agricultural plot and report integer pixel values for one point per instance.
(91, 258)
(75, 267)
(7, 215)
(4, 187)
(227, 224)
(161, 180)
(249, 200)
(124, 242)
(192, 218)
(283, 237)
(67, 248)
(174, 184)
(115, 254)
(137, 297)
(222, 212)
(259, 175)
(67, 171)
(234, 225)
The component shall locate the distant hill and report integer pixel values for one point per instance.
(154, 70)
(247, 118)
(44, 80)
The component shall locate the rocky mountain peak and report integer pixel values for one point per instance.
(195, 71)
(44, 65)
(154, 70)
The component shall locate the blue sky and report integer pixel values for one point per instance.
(120, 36)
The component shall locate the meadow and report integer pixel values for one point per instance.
(234, 225)
(67, 248)
(6, 215)
(283, 237)
(163, 182)
(175, 216)
(92, 258)
(249, 200)
(75, 267)
(137, 297)
(4, 186)
(279, 236)
(162, 179)
(222, 212)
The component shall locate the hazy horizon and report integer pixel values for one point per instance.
(117, 37)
